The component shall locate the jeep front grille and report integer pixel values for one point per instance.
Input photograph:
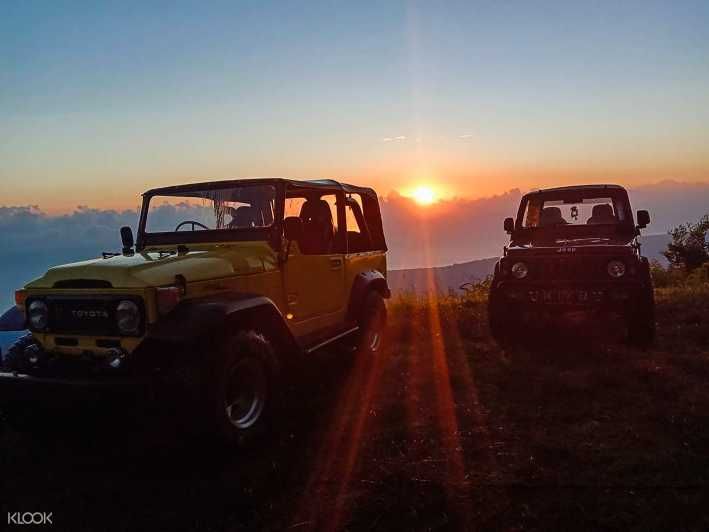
(567, 268)
(90, 315)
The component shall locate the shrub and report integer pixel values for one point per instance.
(689, 248)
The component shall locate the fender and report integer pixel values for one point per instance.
(193, 318)
(363, 283)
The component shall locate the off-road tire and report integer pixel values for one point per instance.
(12, 359)
(504, 322)
(22, 416)
(372, 325)
(640, 320)
(242, 390)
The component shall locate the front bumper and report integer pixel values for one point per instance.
(563, 296)
(33, 374)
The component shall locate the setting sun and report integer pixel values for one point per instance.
(424, 195)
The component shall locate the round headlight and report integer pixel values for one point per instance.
(128, 317)
(38, 314)
(519, 270)
(616, 269)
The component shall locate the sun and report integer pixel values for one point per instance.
(424, 195)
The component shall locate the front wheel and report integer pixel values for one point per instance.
(503, 320)
(243, 389)
(641, 321)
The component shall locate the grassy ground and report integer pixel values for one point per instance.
(445, 431)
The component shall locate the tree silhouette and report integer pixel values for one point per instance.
(689, 248)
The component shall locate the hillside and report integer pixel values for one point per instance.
(445, 431)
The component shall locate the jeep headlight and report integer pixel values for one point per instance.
(128, 317)
(38, 315)
(519, 270)
(616, 269)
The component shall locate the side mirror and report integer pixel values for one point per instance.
(643, 219)
(509, 225)
(127, 239)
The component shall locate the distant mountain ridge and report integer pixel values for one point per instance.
(444, 279)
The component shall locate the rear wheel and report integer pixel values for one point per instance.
(372, 324)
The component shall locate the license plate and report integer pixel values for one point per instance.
(569, 296)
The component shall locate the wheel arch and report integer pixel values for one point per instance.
(363, 283)
(199, 317)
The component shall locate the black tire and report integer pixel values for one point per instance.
(242, 389)
(372, 324)
(504, 322)
(13, 360)
(640, 320)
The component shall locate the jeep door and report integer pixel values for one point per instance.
(314, 274)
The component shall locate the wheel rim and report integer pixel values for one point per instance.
(374, 338)
(246, 392)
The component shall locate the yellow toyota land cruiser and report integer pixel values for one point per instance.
(227, 282)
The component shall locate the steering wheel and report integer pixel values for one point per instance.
(194, 224)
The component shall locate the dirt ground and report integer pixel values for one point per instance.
(445, 431)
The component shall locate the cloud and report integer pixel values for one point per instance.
(460, 230)
(32, 241)
(392, 139)
(466, 136)
(450, 231)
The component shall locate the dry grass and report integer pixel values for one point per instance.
(447, 431)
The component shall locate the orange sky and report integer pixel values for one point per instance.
(99, 103)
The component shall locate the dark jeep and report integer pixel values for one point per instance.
(573, 249)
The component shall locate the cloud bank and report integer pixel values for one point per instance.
(448, 232)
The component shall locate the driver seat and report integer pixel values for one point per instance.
(551, 216)
(318, 227)
(243, 216)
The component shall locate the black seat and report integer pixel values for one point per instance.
(551, 216)
(602, 214)
(243, 216)
(318, 227)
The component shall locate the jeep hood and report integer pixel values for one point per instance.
(159, 269)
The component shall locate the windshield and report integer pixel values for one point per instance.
(211, 213)
(192, 214)
(552, 212)
(575, 214)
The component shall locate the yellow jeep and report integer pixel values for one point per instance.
(227, 282)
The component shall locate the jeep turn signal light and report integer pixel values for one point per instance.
(168, 298)
(20, 298)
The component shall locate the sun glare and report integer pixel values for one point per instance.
(424, 195)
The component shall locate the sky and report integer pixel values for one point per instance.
(100, 101)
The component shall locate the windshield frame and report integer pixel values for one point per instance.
(624, 230)
(271, 234)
